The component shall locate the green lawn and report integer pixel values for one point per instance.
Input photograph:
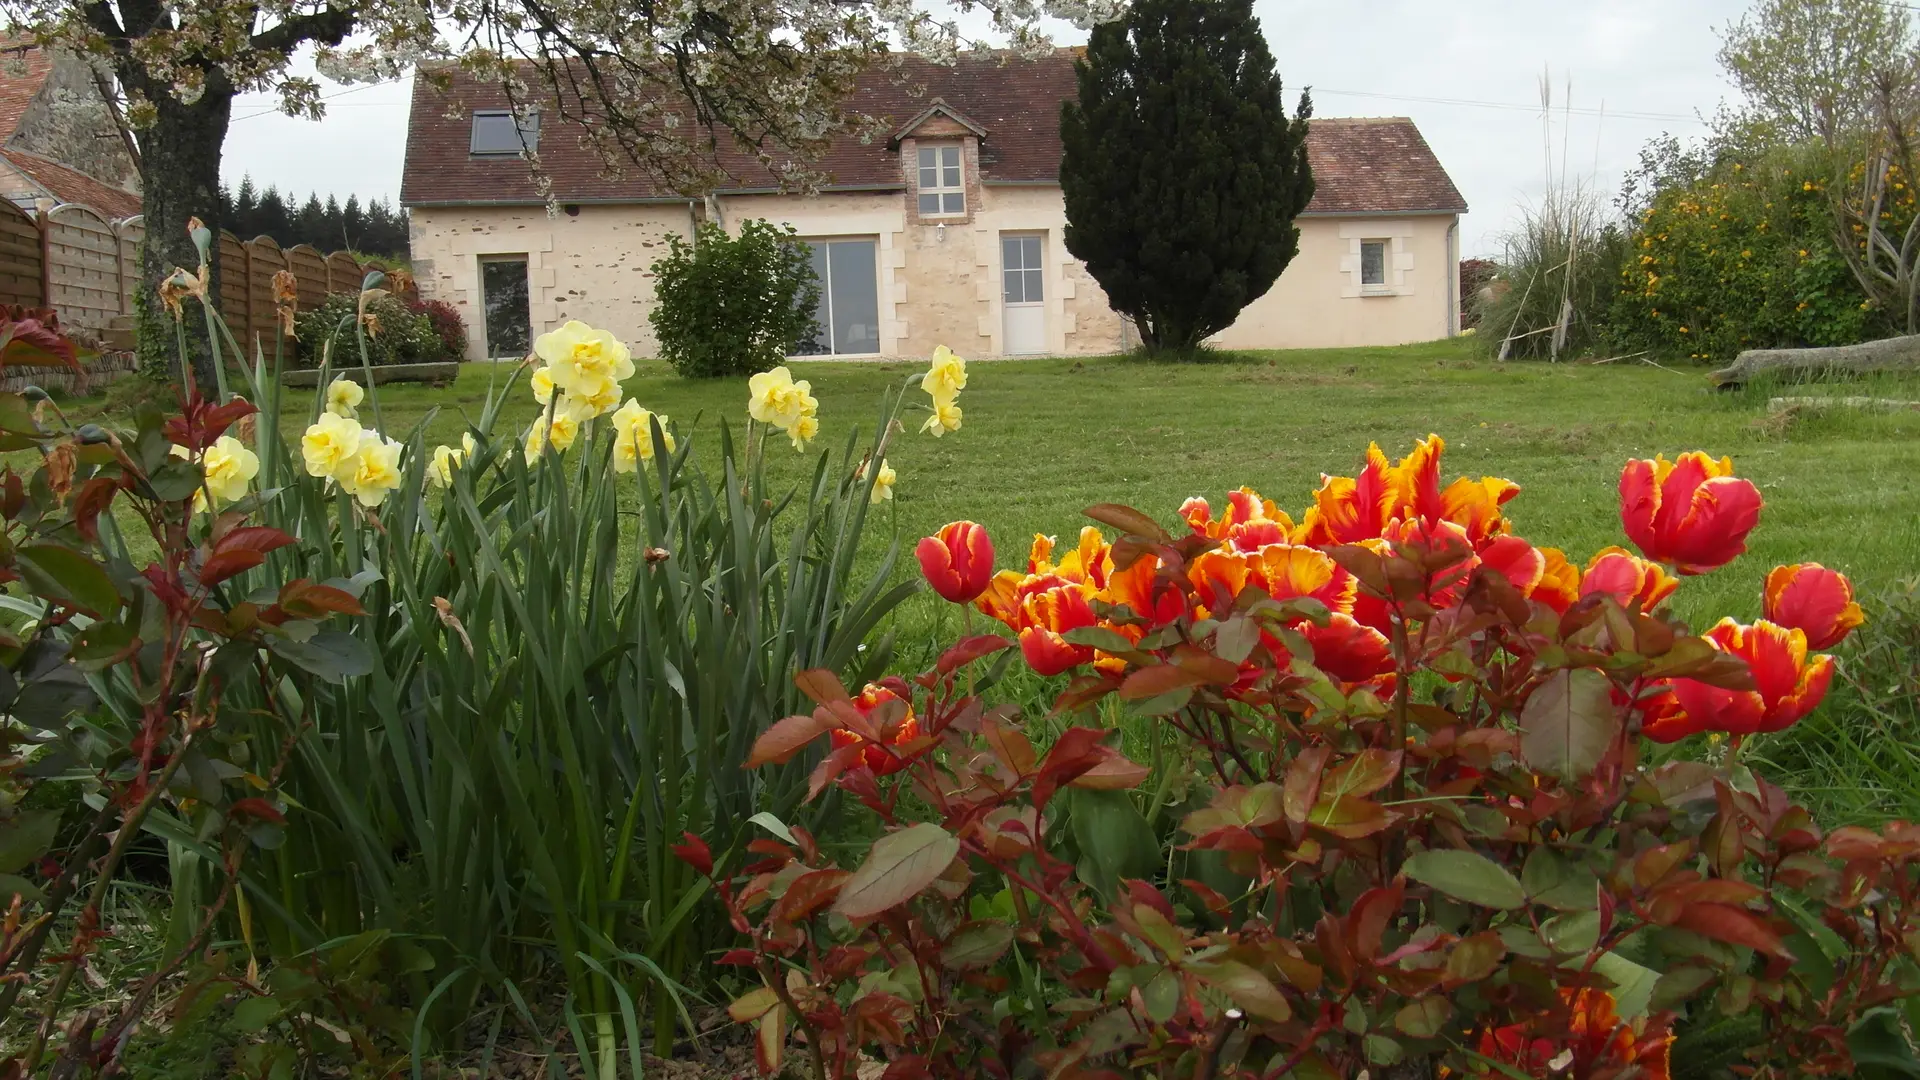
(1045, 438)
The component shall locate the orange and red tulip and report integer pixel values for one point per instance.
(1251, 521)
(1691, 513)
(957, 561)
(1046, 615)
(1815, 600)
(876, 756)
(1628, 578)
(1788, 683)
(1347, 650)
(1661, 717)
(1349, 509)
(1592, 1040)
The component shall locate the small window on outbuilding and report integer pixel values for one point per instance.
(1373, 262)
(497, 134)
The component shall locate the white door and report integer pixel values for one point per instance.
(1022, 293)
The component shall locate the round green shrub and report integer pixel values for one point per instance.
(399, 336)
(733, 305)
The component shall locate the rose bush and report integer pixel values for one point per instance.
(1420, 827)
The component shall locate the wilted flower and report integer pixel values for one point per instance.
(344, 397)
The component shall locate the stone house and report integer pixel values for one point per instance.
(948, 231)
(58, 138)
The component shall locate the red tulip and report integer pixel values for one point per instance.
(1788, 683)
(957, 561)
(1692, 513)
(1811, 598)
(1628, 578)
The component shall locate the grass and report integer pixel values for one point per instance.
(1044, 439)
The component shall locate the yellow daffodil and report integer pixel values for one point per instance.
(558, 433)
(945, 418)
(594, 400)
(581, 359)
(633, 442)
(803, 431)
(542, 383)
(774, 397)
(228, 467)
(946, 376)
(330, 445)
(375, 471)
(882, 482)
(446, 459)
(344, 397)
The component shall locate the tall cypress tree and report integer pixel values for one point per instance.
(1182, 171)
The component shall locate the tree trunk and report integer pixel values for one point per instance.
(179, 179)
(1889, 354)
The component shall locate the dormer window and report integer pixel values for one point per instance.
(942, 194)
(496, 133)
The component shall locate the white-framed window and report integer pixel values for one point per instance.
(496, 133)
(942, 194)
(848, 318)
(1373, 264)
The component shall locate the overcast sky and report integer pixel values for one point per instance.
(1467, 71)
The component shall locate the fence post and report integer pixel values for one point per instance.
(45, 228)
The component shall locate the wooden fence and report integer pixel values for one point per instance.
(86, 266)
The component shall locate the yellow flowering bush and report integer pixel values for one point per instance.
(1727, 258)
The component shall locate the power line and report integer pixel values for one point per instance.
(1514, 106)
(327, 97)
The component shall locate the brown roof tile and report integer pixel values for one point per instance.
(70, 185)
(1376, 165)
(1362, 166)
(22, 71)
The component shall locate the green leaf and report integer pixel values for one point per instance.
(900, 866)
(1423, 1017)
(254, 1014)
(1468, 876)
(1162, 996)
(26, 837)
(13, 884)
(1114, 838)
(1381, 1050)
(1880, 1049)
(1632, 984)
(977, 945)
(1129, 520)
(1099, 637)
(58, 572)
(1248, 989)
(1568, 723)
(333, 655)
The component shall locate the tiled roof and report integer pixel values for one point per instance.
(70, 185)
(1016, 102)
(22, 70)
(1376, 166)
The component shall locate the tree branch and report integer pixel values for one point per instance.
(328, 26)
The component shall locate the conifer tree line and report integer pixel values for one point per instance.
(373, 228)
